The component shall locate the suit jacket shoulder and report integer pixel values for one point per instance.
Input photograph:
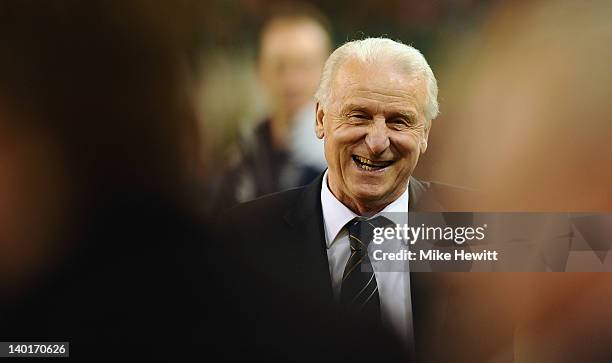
(439, 197)
(425, 196)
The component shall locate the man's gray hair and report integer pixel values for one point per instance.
(370, 49)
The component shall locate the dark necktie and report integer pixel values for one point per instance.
(359, 291)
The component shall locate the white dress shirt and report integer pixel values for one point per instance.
(393, 286)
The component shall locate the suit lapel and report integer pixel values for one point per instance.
(420, 200)
(305, 218)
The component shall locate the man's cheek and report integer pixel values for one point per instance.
(408, 145)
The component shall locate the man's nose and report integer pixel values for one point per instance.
(377, 138)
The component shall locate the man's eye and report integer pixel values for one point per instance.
(359, 116)
(399, 123)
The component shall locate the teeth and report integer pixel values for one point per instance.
(370, 165)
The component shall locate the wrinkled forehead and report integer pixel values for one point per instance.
(378, 84)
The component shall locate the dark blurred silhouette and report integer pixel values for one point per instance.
(99, 241)
(282, 152)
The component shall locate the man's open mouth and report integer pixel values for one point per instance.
(370, 165)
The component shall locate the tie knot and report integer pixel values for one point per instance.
(361, 231)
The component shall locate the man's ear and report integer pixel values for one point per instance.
(319, 115)
(425, 137)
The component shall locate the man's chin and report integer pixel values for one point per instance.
(366, 195)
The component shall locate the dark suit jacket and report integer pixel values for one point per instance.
(280, 239)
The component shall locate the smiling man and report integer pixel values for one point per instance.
(376, 101)
(375, 104)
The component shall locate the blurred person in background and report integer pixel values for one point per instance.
(282, 151)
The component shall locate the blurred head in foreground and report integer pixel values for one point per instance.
(529, 123)
(93, 112)
(532, 106)
(376, 101)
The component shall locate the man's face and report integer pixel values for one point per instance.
(291, 59)
(374, 129)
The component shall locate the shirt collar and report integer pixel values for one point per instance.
(336, 215)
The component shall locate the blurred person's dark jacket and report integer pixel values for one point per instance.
(260, 168)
